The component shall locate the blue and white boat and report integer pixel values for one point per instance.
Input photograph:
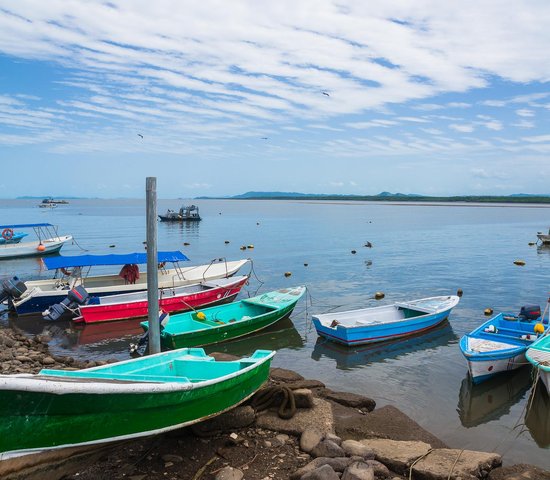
(73, 271)
(378, 324)
(499, 344)
(48, 240)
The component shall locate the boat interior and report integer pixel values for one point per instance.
(185, 366)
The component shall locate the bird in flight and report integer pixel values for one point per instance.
(140, 135)
(326, 93)
(265, 138)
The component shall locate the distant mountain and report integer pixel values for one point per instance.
(272, 195)
(389, 194)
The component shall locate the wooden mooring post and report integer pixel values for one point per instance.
(152, 265)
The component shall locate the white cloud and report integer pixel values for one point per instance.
(462, 128)
(524, 112)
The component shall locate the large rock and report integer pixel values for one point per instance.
(310, 438)
(358, 471)
(327, 448)
(284, 376)
(397, 455)
(238, 417)
(349, 399)
(446, 463)
(384, 422)
(229, 473)
(319, 417)
(355, 448)
(337, 464)
(519, 472)
(322, 473)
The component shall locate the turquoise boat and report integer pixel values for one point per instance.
(59, 409)
(225, 322)
(539, 355)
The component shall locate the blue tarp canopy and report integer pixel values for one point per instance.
(27, 225)
(92, 260)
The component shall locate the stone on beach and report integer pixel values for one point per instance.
(397, 455)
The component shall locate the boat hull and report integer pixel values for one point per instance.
(128, 310)
(42, 294)
(48, 420)
(30, 249)
(225, 332)
(380, 324)
(539, 356)
(481, 369)
(363, 336)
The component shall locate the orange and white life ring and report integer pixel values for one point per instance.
(7, 234)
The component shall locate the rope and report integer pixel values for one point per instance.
(268, 397)
(416, 461)
(74, 242)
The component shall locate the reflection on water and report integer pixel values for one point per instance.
(493, 398)
(281, 335)
(112, 339)
(537, 417)
(361, 355)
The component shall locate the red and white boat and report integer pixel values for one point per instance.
(179, 299)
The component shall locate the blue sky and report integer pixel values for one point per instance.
(318, 96)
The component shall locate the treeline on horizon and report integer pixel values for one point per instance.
(406, 198)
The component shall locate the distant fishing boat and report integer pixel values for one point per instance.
(171, 300)
(51, 201)
(73, 271)
(499, 344)
(539, 355)
(150, 395)
(48, 241)
(225, 322)
(188, 213)
(388, 322)
(544, 237)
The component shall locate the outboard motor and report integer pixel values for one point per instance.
(75, 297)
(11, 289)
(529, 312)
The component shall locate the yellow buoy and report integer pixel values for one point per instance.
(250, 246)
(379, 295)
(201, 316)
(288, 274)
(488, 311)
(519, 262)
(539, 328)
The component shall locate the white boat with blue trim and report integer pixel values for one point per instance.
(378, 324)
(48, 240)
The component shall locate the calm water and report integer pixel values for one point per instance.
(418, 251)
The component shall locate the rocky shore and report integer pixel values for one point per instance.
(330, 436)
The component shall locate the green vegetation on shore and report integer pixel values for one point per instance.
(390, 197)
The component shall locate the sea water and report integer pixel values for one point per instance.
(418, 250)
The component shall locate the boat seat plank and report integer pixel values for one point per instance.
(485, 345)
(540, 356)
(131, 377)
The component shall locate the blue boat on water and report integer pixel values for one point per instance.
(499, 344)
(72, 272)
(379, 324)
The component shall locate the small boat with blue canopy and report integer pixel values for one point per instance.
(48, 240)
(225, 322)
(499, 344)
(388, 322)
(74, 271)
(56, 409)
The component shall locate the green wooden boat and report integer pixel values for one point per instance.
(225, 322)
(56, 409)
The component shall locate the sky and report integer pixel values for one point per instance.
(218, 98)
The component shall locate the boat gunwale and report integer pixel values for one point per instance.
(30, 382)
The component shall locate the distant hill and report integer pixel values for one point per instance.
(392, 197)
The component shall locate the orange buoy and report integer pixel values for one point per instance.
(459, 292)
(519, 262)
(288, 274)
(379, 295)
(250, 246)
(41, 248)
